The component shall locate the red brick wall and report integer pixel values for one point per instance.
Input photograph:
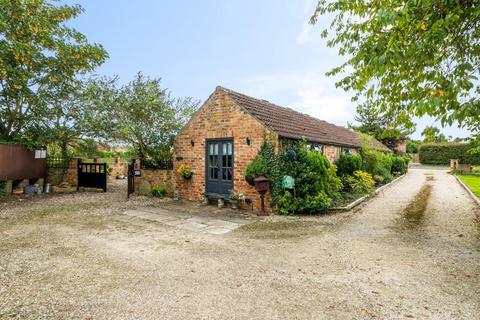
(333, 152)
(219, 117)
(156, 177)
(401, 147)
(118, 167)
(57, 176)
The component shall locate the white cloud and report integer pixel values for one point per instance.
(312, 94)
(307, 29)
(305, 35)
(314, 101)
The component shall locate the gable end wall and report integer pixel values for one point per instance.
(219, 117)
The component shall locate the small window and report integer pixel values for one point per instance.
(315, 147)
(347, 151)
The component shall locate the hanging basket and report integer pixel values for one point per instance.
(187, 176)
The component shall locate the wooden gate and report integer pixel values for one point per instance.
(92, 175)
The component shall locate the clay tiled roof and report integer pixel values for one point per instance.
(289, 123)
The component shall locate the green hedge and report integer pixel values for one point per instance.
(441, 153)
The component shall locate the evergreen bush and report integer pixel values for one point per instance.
(348, 164)
(316, 182)
(442, 153)
(361, 182)
(399, 165)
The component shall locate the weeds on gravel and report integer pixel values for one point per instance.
(278, 229)
(415, 211)
(38, 214)
(63, 209)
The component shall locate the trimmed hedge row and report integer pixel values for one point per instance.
(441, 153)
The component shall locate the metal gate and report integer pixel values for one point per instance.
(92, 175)
(131, 179)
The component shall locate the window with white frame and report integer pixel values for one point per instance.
(315, 147)
(347, 151)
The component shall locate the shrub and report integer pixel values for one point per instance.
(413, 146)
(316, 182)
(256, 168)
(314, 203)
(2, 189)
(399, 165)
(382, 175)
(361, 182)
(441, 153)
(375, 162)
(384, 160)
(348, 164)
(286, 203)
(158, 191)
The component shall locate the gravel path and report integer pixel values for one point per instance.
(77, 257)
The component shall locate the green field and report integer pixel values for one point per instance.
(473, 182)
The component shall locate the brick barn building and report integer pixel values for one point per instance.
(225, 134)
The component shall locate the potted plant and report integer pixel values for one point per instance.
(234, 199)
(256, 168)
(185, 171)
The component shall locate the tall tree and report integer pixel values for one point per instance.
(413, 58)
(433, 134)
(141, 114)
(389, 130)
(64, 120)
(38, 54)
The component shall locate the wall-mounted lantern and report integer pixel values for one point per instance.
(192, 143)
(248, 141)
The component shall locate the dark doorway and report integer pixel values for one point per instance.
(219, 167)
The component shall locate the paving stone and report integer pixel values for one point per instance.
(222, 224)
(149, 216)
(195, 223)
(216, 230)
(174, 223)
(199, 219)
(157, 211)
(239, 220)
(132, 212)
(192, 226)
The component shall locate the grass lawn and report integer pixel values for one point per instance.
(473, 182)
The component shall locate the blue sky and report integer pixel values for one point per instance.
(261, 48)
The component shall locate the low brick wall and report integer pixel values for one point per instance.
(57, 176)
(155, 177)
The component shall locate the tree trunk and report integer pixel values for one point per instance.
(64, 149)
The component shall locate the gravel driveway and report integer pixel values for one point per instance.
(411, 252)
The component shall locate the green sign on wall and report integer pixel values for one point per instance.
(288, 182)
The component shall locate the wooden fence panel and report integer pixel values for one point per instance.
(17, 162)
